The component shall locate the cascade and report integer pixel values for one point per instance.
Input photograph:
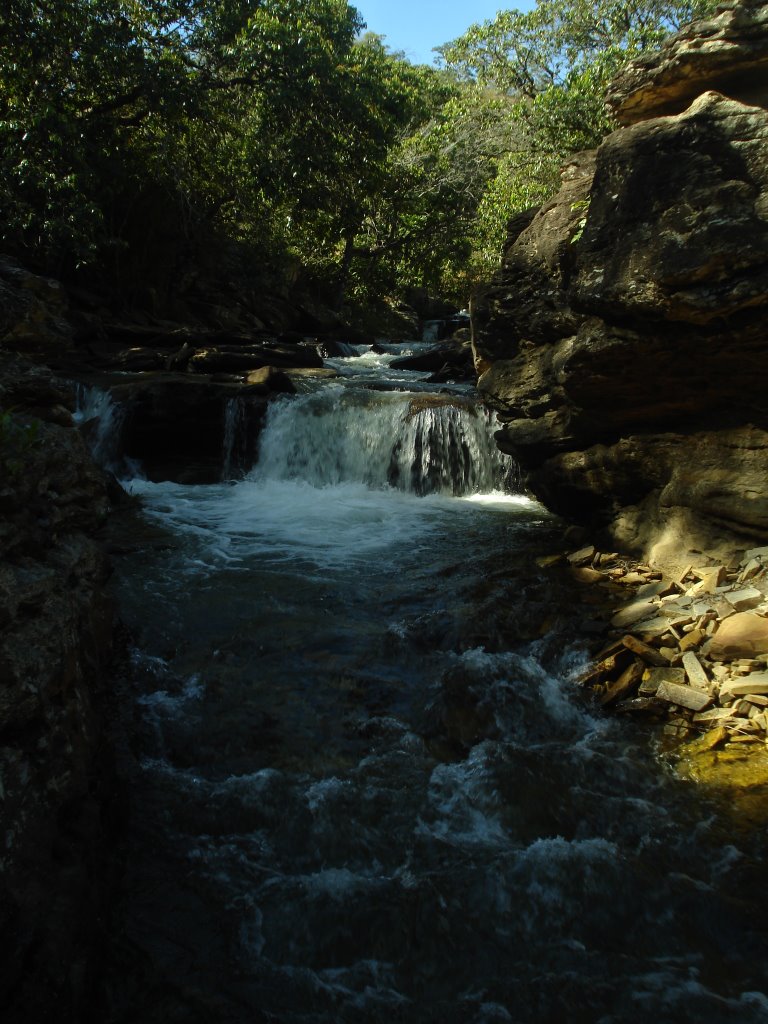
(422, 444)
(101, 420)
(236, 451)
(362, 787)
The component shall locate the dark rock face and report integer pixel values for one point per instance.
(56, 627)
(623, 341)
(33, 311)
(174, 424)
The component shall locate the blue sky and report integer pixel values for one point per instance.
(416, 26)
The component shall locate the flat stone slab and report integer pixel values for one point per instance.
(633, 613)
(715, 715)
(743, 635)
(742, 600)
(625, 685)
(582, 556)
(693, 639)
(711, 580)
(645, 651)
(654, 589)
(584, 574)
(654, 677)
(757, 683)
(685, 696)
(695, 671)
(659, 625)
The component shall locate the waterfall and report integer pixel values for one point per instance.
(100, 421)
(235, 439)
(423, 444)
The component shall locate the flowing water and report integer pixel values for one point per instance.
(360, 785)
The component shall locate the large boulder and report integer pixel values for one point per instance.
(623, 340)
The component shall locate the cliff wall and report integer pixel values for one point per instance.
(623, 341)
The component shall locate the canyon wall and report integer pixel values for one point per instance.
(623, 341)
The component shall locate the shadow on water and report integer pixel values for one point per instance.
(360, 787)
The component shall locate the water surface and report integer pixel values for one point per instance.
(361, 785)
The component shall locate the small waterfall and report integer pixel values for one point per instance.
(423, 444)
(431, 330)
(235, 439)
(100, 421)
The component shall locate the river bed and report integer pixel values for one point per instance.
(360, 783)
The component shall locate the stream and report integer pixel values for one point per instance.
(360, 783)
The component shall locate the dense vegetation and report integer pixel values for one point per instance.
(144, 141)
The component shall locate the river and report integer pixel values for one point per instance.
(359, 782)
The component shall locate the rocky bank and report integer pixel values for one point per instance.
(623, 340)
(56, 634)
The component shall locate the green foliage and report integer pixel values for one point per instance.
(146, 139)
(553, 65)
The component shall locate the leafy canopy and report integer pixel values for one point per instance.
(145, 140)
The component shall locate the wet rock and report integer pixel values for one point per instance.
(174, 424)
(732, 769)
(451, 355)
(221, 360)
(716, 737)
(272, 379)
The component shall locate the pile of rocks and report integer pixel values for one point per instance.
(693, 647)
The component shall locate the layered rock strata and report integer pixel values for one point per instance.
(623, 340)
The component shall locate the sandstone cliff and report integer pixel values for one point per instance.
(623, 341)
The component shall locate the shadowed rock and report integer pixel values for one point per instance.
(623, 341)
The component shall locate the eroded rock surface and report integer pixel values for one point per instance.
(727, 52)
(623, 340)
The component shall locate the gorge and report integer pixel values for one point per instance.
(290, 725)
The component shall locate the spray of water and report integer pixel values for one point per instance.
(420, 444)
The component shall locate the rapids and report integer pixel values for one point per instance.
(360, 786)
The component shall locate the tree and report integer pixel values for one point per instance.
(553, 65)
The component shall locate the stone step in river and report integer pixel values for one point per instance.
(360, 786)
